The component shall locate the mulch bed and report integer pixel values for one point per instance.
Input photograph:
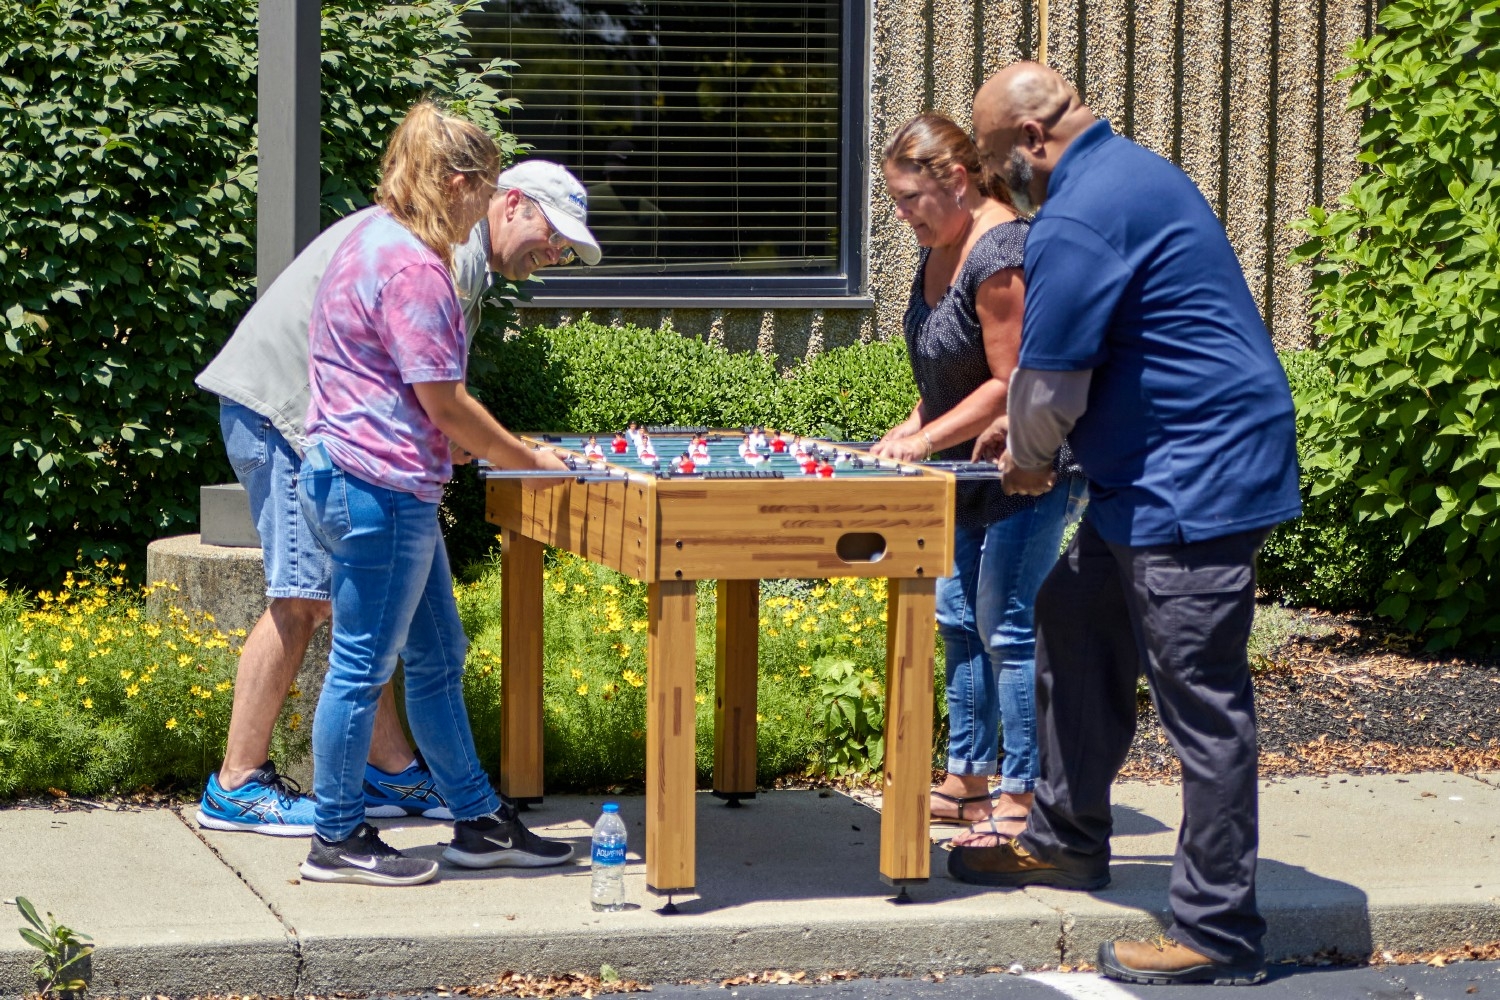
(1356, 699)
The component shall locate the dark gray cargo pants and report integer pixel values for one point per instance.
(1182, 614)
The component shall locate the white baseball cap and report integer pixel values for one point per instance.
(560, 197)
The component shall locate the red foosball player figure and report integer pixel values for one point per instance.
(809, 465)
(825, 470)
(778, 443)
(685, 464)
(619, 445)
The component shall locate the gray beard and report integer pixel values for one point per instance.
(1017, 178)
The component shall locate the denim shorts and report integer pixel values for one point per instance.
(296, 563)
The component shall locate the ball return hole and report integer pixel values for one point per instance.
(861, 547)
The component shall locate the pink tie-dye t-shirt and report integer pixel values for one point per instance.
(385, 316)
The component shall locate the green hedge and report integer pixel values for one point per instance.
(127, 162)
(1327, 558)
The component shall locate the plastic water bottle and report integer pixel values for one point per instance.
(607, 860)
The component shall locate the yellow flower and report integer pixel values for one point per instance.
(152, 631)
(882, 616)
(632, 678)
(132, 690)
(43, 681)
(804, 671)
(819, 591)
(223, 686)
(764, 621)
(577, 674)
(775, 677)
(858, 641)
(88, 703)
(22, 696)
(171, 723)
(759, 717)
(847, 617)
(295, 722)
(183, 659)
(579, 588)
(61, 666)
(772, 633)
(638, 626)
(624, 650)
(610, 589)
(583, 689)
(560, 586)
(700, 699)
(801, 643)
(65, 645)
(81, 681)
(855, 627)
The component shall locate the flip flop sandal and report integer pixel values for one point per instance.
(960, 803)
(993, 830)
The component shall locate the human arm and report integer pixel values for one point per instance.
(469, 425)
(998, 301)
(911, 425)
(1044, 406)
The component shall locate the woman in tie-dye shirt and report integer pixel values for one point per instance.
(387, 358)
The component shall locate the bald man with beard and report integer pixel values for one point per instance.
(1142, 344)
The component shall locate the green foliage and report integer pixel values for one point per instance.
(1326, 558)
(1407, 298)
(853, 393)
(100, 693)
(127, 158)
(62, 949)
(851, 702)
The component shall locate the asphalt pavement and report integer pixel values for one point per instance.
(1350, 866)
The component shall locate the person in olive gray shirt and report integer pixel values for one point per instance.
(536, 218)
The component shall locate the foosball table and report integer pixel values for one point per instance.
(733, 507)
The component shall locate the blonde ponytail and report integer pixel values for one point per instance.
(424, 153)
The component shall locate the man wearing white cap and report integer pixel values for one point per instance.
(537, 217)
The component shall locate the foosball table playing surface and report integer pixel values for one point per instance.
(739, 509)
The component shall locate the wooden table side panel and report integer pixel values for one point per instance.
(605, 522)
(767, 529)
(736, 677)
(671, 730)
(521, 666)
(905, 851)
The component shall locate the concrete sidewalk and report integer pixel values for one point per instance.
(788, 881)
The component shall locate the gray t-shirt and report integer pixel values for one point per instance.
(264, 365)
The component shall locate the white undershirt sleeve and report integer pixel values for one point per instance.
(1043, 407)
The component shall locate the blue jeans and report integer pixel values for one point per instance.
(984, 613)
(392, 596)
(266, 465)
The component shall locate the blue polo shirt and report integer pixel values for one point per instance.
(1189, 432)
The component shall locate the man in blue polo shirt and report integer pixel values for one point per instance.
(1141, 343)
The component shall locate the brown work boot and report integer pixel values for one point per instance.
(1010, 864)
(1165, 962)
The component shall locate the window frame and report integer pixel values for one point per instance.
(574, 287)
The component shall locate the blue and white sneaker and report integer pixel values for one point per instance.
(410, 793)
(268, 803)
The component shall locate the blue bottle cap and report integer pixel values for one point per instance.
(611, 807)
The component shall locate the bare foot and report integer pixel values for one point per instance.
(960, 798)
(1007, 820)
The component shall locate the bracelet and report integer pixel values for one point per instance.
(928, 438)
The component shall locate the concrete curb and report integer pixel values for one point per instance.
(788, 882)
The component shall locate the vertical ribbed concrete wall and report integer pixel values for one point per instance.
(1241, 93)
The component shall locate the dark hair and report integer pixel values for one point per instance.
(933, 144)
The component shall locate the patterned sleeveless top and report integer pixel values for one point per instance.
(946, 346)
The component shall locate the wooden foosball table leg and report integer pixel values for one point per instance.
(736, 673)
(905, 852)
(671, 731)
(521, 668)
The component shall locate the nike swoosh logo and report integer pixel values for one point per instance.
(503, 844)
(366, 863)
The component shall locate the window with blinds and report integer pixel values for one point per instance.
(714, 137)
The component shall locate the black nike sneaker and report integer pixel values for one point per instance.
(364, 858)
(499, 840)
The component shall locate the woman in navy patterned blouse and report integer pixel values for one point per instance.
(963, 334)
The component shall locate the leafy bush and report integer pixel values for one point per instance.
(97, 694)
(1407, 304)
(853, 393)
(1326, 558)
(127, 158)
